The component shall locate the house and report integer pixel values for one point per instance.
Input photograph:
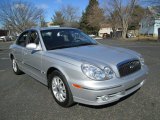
(105, 29)
(150, 24)
(49, 24)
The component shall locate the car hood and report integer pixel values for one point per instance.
(97, 54)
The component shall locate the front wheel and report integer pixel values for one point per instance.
(15, 68)
(60, 89)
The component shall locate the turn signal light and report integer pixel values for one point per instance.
(76, 86)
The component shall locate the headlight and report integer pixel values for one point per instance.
(96, 73)
(109, 72)
(142, 60)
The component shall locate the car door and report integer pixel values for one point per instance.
(33, 58)
(18, 48)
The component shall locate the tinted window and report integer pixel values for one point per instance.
(63, 38)
(22, 39)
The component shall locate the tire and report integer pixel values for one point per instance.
(60, 89)
(15, 68)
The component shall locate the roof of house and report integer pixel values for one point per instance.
(109, 25)
(105, 25)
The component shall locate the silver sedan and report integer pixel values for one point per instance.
(77, 68)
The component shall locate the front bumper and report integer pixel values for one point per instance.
(113, 91)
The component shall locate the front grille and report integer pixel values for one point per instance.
(128, 67)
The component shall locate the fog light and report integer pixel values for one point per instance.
(142, 83)
(105, 98)
(102, 98)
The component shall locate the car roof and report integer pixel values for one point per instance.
(49, 28)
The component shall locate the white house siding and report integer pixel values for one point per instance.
(104, 30)
(147, 27)
(156, 26)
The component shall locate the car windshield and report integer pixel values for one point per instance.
(65, 38)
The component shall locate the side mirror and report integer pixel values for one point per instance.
(31, 46)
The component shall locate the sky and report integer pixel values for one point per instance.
(50, 6)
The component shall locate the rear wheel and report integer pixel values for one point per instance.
(15, 68)
(60, 89)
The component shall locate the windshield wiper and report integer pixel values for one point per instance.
(60, 47)
(84, 44)
(68, 46)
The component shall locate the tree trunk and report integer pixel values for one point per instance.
(124, 32)
(114, 32)
(125, 28)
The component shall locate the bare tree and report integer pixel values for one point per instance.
(43, 22)
(123, 12)
(66, 15)
(70, 14)
(18, 16)
(111, 17)
(137, 15)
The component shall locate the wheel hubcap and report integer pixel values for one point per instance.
(59, 89)
(14, 65)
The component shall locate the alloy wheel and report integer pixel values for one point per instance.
(58, 89)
